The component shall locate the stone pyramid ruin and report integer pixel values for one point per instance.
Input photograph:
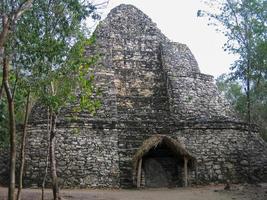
(162, 122)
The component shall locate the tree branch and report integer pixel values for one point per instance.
(236, 20)
(4, 32)
(8, 22)
(15, 87)
(5, 79)
(22, 8)
(105, 3)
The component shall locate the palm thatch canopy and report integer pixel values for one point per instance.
(154, 141)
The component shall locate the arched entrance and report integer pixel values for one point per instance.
(161, 162)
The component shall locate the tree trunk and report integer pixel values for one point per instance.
(2, 63)
(49, 121)
(12, 132)
(5, 29)
(185, 172)
(139, 173)
(248, 91)
(53, 158)
(22, 148)
(1, 89)
(248, 105)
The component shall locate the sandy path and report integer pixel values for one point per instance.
(191, 193)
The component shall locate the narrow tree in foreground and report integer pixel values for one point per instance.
(42, 43)
(49, 35)
(12, 131)
(68, 85)
(9, 18)
(47, 157)
(23, 143)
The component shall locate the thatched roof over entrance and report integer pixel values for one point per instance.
(154, 141)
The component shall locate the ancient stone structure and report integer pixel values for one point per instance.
(162, 122)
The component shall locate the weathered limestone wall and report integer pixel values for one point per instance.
(193, 96)
(226, 154)
(85, 156)
(140, 82)
(134, 46)
(222, 153)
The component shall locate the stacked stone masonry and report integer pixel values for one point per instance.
(149, 86)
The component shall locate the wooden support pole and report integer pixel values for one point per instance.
(139, 173)
(196, 164)
(185, 172)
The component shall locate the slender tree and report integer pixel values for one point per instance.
(23, 144)
(48, 148)
(9, 17)
(243, 22)
(51, 52)
(40, 48)
(63, 87)
(234, 92)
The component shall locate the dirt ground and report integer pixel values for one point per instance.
(238, 192)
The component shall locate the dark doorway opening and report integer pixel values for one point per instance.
(162, 168)
(162, 161)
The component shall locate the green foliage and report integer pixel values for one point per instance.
(75, 131)
(72, 82)
(84, 77)
(19, 90)
(233, 91)
(51, 49)
(243, 22)
(45, 52)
